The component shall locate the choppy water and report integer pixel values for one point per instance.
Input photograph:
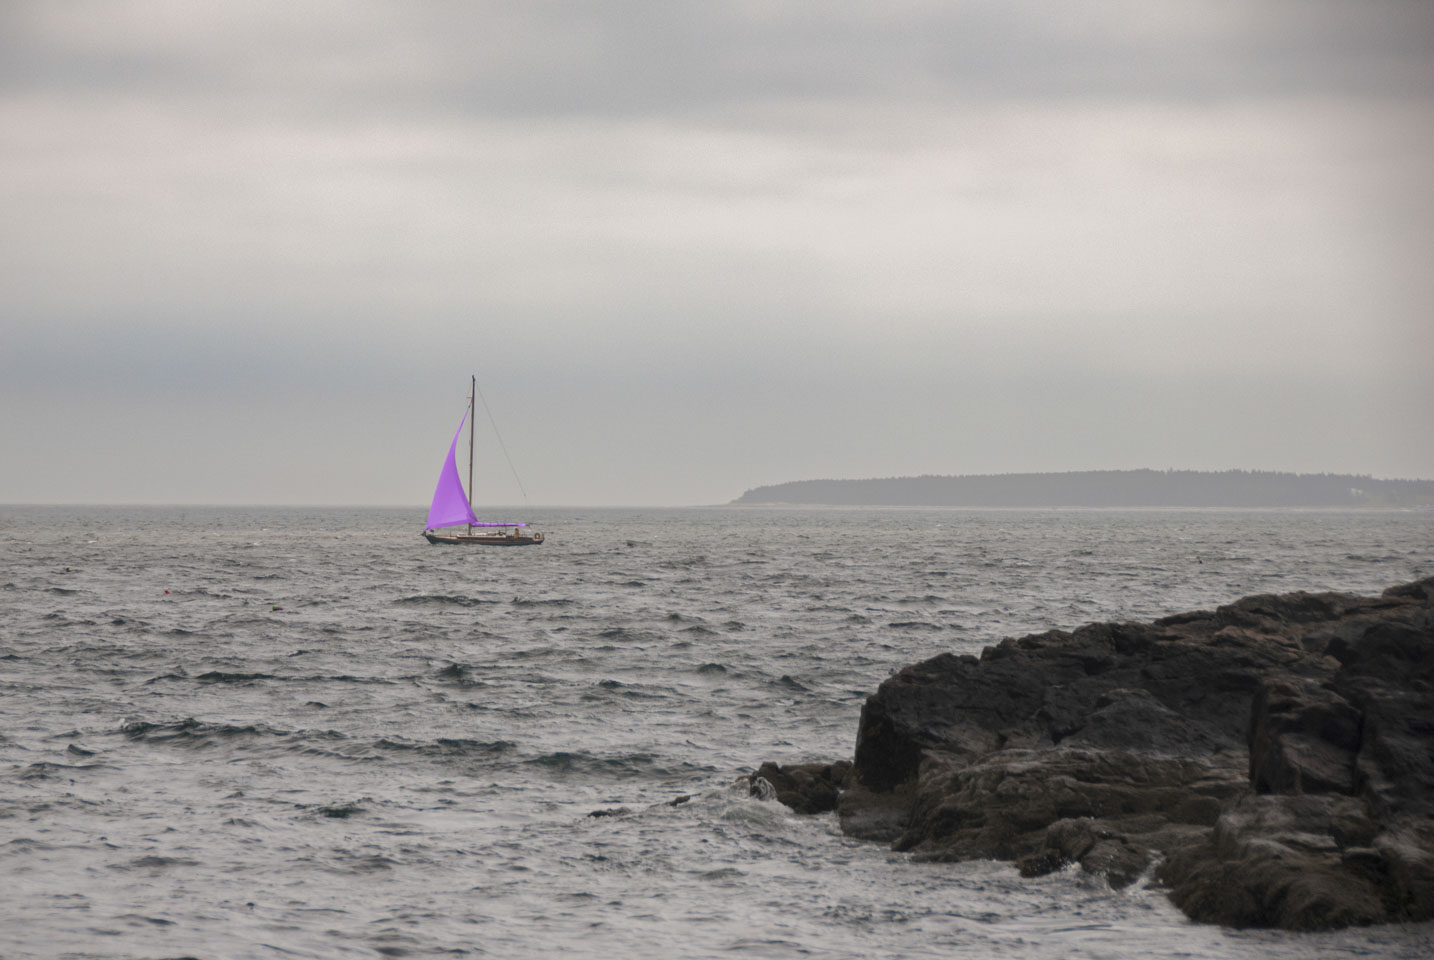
(301, 733)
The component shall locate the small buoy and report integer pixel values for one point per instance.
(166, 591)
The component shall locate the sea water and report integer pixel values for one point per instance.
(232, 733)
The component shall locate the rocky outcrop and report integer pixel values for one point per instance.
(805, 787)
(1272, 760)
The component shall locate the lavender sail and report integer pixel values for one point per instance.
(450, 503)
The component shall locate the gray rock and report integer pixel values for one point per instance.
(806, 788)
(1275, 757)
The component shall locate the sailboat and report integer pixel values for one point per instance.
(453, 507)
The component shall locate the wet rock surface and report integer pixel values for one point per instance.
(1271, 761)
(805, 787)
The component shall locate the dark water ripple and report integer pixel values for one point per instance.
(308, 733)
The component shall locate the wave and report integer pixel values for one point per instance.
(626, 635)
(459, 673)
(441, 599)
(45, 770)
(629, 691)
(196, 734)
(624, 767)
(192, 732)
(152, 862)
(60, 619)
(447, 747)
(227, 676)
(698, 561)
(219, 676)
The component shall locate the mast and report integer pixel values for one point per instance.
(472, 416)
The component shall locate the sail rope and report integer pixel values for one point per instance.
(501, 445)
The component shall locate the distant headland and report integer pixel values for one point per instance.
(1103, 488)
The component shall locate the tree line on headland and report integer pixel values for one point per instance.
(1103, 488)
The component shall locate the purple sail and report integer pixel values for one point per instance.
(450, 503)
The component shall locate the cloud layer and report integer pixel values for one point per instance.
(691, 248)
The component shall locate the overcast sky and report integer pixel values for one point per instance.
(250, 252)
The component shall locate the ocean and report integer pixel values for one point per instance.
(291, 733)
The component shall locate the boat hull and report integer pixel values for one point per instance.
(485, 539)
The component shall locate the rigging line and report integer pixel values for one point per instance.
(501, 445)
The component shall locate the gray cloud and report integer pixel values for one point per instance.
(839, 238)
(656, 58)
